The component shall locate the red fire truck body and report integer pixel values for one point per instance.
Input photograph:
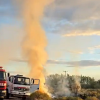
(3, 83)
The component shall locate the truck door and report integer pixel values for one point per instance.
(34, 85)
(10, 84)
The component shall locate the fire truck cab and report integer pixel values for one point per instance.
(23, 86)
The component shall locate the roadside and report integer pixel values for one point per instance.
(13, 99)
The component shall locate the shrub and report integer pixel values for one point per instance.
(73, 98)
(98, 96)
(60, 98)
(39, 96)
(91, 98)
(69, 98)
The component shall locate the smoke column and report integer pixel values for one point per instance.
(76, 86)
(35, 40)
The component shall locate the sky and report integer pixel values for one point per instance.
(72, 29)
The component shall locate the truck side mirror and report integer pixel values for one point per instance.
(8, 74)
(33, 81)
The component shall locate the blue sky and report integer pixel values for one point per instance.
(72, 30)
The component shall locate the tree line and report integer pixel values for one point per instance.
(54, 82)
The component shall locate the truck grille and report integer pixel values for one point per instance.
(21, 89)
(1, 86)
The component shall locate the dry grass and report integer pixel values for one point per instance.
(43, 96)
(39, 96)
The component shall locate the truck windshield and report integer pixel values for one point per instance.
(2, 75)
(22, 80)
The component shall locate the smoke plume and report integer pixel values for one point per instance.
(63, 89)
(35, 40)
(58, 85)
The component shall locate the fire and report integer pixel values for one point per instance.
(35, 40)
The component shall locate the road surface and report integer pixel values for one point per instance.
(13, 99)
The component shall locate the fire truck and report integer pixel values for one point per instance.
(3, 83)
(16, 85)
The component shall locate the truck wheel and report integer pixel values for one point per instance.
(23, 98)
(1, 98)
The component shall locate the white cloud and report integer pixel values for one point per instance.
(73, 18)
(92, 49)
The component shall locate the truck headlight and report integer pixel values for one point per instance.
(27, 93)
(2, 84)
(4, 91)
